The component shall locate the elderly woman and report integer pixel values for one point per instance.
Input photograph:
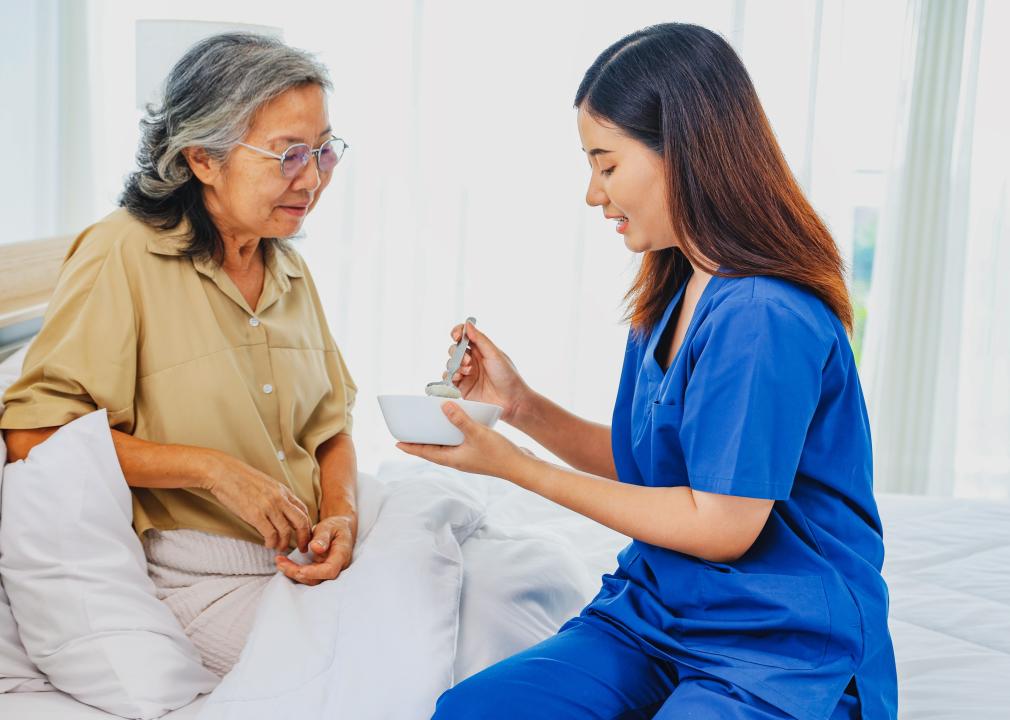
(191, 319)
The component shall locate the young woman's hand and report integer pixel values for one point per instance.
(488, 375)
(483, 451)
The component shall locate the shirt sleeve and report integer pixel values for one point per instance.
(333, 414)
(85, 355)
(750, 399)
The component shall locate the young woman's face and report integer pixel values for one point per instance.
(627, 180)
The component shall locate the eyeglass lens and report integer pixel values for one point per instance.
(297, 157)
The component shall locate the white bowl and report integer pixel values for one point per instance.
(419, 418)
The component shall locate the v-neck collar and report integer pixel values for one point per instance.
(652, 366)
(279, 268)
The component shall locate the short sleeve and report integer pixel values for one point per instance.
(341, 400)
(85, 355)
(750, 399)
(333, 414)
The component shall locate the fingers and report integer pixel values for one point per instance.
(337, 559)
(457, 417)
(292, 570)
(432, 453)
(298, 517)
(281, 537)
(477, 338)
(323, 567)
(271, 538)
(266, 528)
(321, 539)
(290, 521)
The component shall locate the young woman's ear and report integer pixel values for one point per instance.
(202, 164)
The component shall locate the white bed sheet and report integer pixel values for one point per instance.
(948, 567)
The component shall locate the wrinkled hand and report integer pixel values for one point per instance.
(483, 451)
(269, 506)
(486, 374)
(332, 546)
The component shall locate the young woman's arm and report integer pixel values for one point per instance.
(583, 444)
(488, 375)
(717, 528)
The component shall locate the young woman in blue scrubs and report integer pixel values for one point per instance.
(738, 458)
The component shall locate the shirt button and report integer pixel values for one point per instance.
(268, 388)
(254, 321)
(281, 455)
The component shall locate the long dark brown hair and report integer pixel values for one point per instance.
(682, 91)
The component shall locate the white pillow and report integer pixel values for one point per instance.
(10, 370)
(380, 640)
(77, 579)
(17, 672)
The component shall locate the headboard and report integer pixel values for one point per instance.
(28, 273)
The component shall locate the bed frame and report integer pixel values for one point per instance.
(28, 273)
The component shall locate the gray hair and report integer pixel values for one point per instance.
(211, 96)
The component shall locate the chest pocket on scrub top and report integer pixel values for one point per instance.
(666, 453)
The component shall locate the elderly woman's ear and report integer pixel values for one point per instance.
(200, 162)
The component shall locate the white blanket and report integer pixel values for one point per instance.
(381, 640)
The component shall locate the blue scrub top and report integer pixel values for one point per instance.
(762, 400)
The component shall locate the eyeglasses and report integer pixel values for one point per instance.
(296, 157)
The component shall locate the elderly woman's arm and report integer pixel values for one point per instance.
(333, 537)
(258, 499)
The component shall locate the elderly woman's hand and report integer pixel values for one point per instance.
(332, 546)
(269, 506)
(483, 451)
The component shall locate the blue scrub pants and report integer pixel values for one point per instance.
(587, 671)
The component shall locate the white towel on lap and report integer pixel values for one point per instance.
(213, 585)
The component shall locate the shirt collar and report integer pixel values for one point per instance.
(173, 243)
(169, 242)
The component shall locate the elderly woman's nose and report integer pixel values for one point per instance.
(309, 178)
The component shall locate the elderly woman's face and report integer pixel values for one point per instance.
(247, 195)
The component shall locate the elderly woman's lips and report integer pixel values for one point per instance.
(298, 210)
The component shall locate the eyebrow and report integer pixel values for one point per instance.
(597, 151)
(294, 140)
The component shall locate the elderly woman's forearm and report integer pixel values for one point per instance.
(338, 476)
(145, 464)
(155, 465)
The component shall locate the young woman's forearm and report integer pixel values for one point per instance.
(717, 528)
(145, 464)
(582, 444)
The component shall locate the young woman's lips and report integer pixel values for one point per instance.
(296, 210)
(622, 226)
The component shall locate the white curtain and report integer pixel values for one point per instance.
(934, 370)
(463, 189)
(462, 192)
(982, 450)
(45, 117)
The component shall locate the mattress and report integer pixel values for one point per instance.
(947, 565)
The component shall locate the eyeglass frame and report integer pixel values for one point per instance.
(314, 152)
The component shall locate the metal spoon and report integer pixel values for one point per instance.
(446, 388)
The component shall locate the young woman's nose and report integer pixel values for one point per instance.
(595, 196)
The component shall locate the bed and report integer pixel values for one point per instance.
(947, 565)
